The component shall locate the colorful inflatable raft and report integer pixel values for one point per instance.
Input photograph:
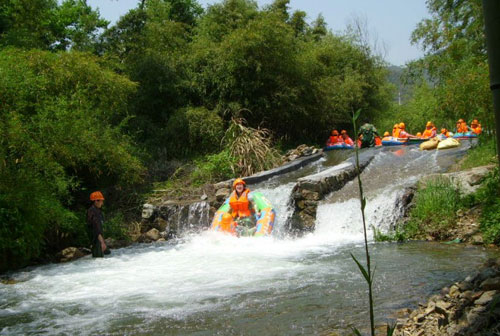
(392, 141)
(341, 145)
(265, 219)
(467, 135)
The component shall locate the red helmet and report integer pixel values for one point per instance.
(96, 196)
(238, 181)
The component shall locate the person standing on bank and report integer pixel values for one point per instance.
(95, 219)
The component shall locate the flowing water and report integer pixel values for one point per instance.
(213, 284)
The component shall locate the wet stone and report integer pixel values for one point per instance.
(464, 286)
(491, 284)
(486, 298)
(454, 291)
(486, 273)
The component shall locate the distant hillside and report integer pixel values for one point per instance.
(404, 92)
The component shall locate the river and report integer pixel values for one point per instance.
(212, 284)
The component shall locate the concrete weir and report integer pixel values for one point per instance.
(286, 168)
(174, 215)
(310, 190)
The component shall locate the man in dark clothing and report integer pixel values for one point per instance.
(367, 134)
(95, 218)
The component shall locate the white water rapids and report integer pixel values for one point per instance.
(210, 283)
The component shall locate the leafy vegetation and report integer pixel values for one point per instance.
(436, 203)
(451, 81)
(89, 106)
(489, 197)
(482, 154)
(61, 117)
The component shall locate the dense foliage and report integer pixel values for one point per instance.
(169, 81)
(84, 106)
(61, 116)
(451, 81)
(292, 78)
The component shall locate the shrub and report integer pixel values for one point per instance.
(436, 203)
(194, 130)
(251, 148)
(115, 227)
(214, 168)
(205, 129)
(61, 119)
(489, 196)
(482, 154)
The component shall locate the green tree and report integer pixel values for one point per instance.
(455, 63)
(47, 25)
(149, 44)
(61, 118)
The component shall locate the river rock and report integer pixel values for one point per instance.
(70, 253)
(300, 151)
(491, 284)
(454, 291)
(160, 224)
(153, 234)
(486, 297)
(486, 273)
(147, 210)
(223, 185)
(113, 243)
(222, 194)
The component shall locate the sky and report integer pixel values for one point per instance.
(389, 22)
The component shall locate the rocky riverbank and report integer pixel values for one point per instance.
(469, 307)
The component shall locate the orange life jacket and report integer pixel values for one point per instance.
(240, 206)
(348, 141)
(477, 130)
(427, 133)
(395, 133)
(332, 139)
(462, 128)
(378, 141)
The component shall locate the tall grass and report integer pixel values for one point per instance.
(489, 196)
(252, 148)
(482, 154)
(436, 204)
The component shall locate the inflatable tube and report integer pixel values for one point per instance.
(417, 141)
(392, 141)
(467, 135)
(430, 144)
(448, 143)
(340, 145)
(265, 217)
